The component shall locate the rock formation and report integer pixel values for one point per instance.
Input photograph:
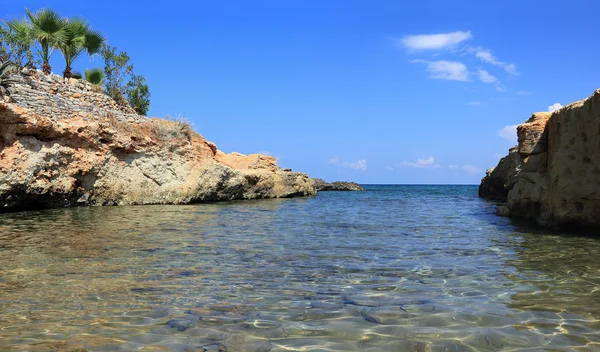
(321, 185)
(65, 143)
(558, 185)
(500, 179)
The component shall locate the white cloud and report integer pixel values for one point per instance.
(486, 77)
(357, 165)
(442, 69)
(486, 56)
(554, 107)
(473, 103)
(470, 169)
(389, 168)
(434, 41)
(511, 69)
(509, 133)
(523, 92)
(453, 167)
(422, 163)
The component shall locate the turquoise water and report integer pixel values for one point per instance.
(394, 268)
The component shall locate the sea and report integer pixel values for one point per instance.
(392, 268)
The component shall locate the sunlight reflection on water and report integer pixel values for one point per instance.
(396, 268)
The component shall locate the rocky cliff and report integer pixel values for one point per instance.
(65, 143)
(558, 185)
(499, 180)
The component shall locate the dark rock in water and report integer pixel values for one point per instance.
(180, 325)
(500, 180)
(336, 186)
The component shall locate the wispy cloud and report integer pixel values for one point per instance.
(474, 103)
(486, 56)
(442, 69)
(454, 43)
(509, 133)
(389, 168)
(554, 107)
(433, 41)
(486, 77)
(422, 163)
(523, 92)
(357, 165)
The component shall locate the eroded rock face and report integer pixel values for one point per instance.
(500, 180)
(321, 185)
(104, 156)
(559, 182)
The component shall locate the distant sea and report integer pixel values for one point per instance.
(393, 268)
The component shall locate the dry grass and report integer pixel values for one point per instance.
(172, 127)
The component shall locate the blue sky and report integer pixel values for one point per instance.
(369, 91)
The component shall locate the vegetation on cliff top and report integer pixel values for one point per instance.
(31, 41)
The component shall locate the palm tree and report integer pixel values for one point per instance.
(22, 37)
(49, 30)
(79, 37)
(94, 76)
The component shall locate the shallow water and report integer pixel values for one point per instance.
(394, 268)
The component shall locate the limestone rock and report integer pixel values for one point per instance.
(321, 185)
(559, 184)
(500, 180)
(63, 149)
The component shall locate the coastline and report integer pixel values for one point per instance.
(64, 143)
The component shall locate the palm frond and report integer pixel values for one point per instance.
(94, 76)
(6, 68)
(93, 42)
(21, 29)
(48, 24)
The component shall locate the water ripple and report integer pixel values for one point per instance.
(394, 268)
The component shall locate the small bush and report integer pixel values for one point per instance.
(95, 76)
(172, 128)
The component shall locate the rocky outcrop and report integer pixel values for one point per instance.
(321, 185)
(559, 182)
(498, 181)
(64, 143)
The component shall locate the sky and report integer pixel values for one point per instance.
(395, 92)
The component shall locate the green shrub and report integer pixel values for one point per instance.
(94, 76)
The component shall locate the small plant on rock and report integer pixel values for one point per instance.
(172, 128)
(6, 68)
(95, 76)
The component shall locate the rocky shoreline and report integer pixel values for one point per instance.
(65, 143)
(552, 177)
(321, 185)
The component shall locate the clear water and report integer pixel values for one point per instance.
(394, 268)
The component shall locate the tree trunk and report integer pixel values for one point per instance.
(67, 72)
(46, 68)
